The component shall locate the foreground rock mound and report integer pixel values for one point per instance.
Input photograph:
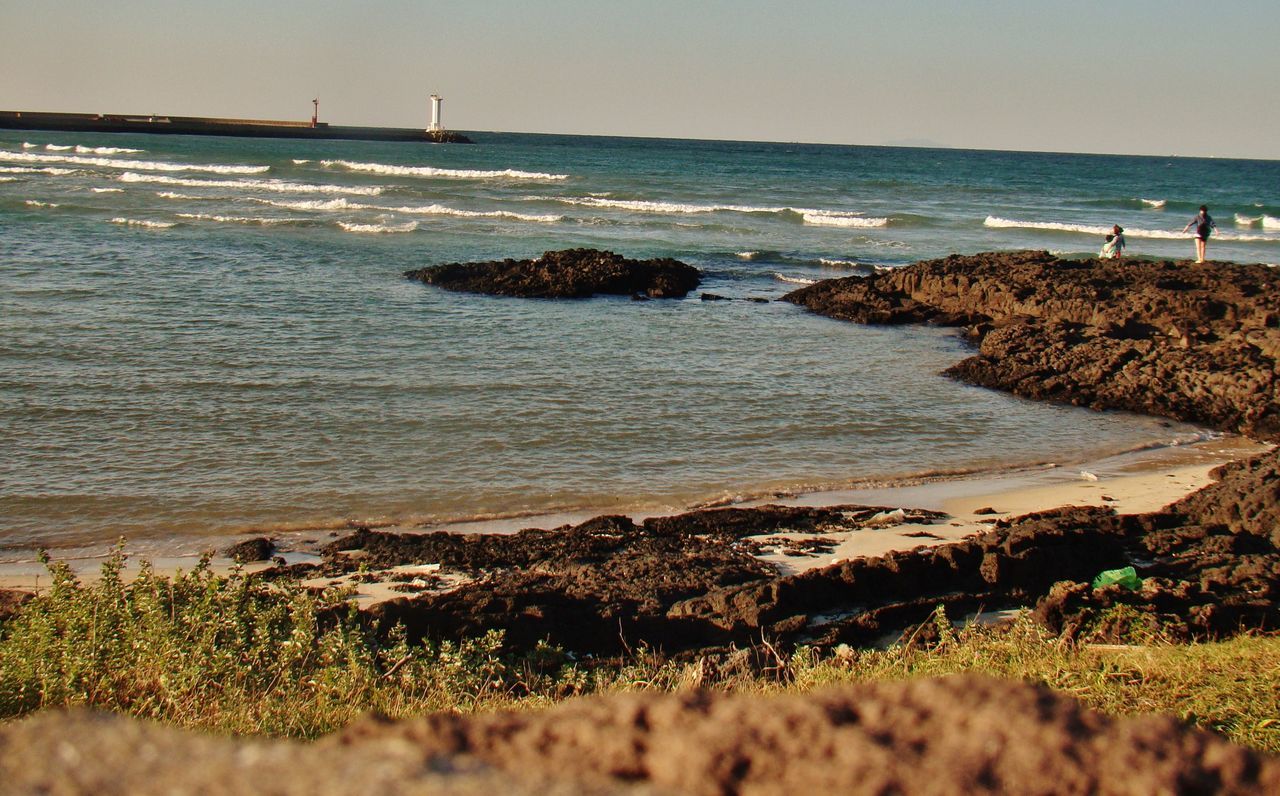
(1193, 342)
(572, 273)
(957, 735)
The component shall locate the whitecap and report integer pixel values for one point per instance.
(142, 165)
(798, 280)
(748, 255)
(1155, 204)
(378, 228)
(38, 203)
(421, 210)
(300, 161)
(54, 170)
(142, 222)
(1270, 222)
(256, 220)
(57, 148)
(828, 219)
(1100, 229)
(1247, 221)
(107, 190)
(107, 150)
(275, 186)
(431, 171)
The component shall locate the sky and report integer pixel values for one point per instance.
(1129, 76)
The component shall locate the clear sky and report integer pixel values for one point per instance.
(1130, 76)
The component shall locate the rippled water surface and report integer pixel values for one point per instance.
(200, 336)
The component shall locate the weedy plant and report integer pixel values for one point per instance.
(232, 653)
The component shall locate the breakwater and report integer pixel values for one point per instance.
(201, 125)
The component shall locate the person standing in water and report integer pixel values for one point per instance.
(1203, 222)
(1113, 249)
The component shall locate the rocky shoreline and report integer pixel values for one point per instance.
(1188, 342)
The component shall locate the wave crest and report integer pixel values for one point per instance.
(142, 222)
(378, 228)
(1097, 229)
(141, 165)
(276, 186)
(432, 171)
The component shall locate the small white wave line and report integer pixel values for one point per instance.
(142, 222)
(1098, 229)
(107, 150)
(378, 228)
(1155, 204)
(107, 190)
(54, 170)
(300, 161)
(259, 220)
(57, 148)
(140, 165)
(822, 220)
(798, 280)
(423, 210)
(748, 255)
(38, 203)
(432, 171)
(274, 186)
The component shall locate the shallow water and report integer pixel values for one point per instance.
(207, 335)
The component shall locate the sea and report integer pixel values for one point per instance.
(202, 337)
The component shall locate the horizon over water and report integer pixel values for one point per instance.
(206, 336)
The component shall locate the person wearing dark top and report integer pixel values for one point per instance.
(1203, 222)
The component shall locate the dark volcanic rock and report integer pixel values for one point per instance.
(692, 582)
(257, 549)
(572, 273)
(1192, 342)
(957, 735)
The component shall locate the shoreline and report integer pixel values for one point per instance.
(1131, 482)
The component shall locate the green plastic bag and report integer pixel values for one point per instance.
(1125, 576)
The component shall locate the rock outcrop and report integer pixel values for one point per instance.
(572, 273)
(959, 735)
(1192, 342)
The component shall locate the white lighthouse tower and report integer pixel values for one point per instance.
(436, 99)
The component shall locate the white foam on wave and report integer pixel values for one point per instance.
(1098, 229)
(1155, 204)
(107, 150)
(378, 228)
(420, 210)
(275, 186)
(748, 255)
(54, 170)
(838, 218)
(144, 223)
(798, 280)
(1247, 221)
(831, 219)
(107, 190)
(432, 171)
(182, 197)
(141, 165)
(38, 203)
(255, 220)
(1270, 222)
(57, 148)
(29, 145)
(300, 161)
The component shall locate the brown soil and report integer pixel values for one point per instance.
(957, 735)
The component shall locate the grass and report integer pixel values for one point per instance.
(232, 654)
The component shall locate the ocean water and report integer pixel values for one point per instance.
(206, 336)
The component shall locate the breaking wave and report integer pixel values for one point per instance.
(377, 228)
(276, 186)
(255, 220)
(38, 203)
(797, 280)
(1103, 229)
(1247, 221)
(107, 190)
(1270, 222)
(1155, 204)
(837, 218)
(142, 222)
(142, 165)
(431, 171)
(54, 170)
(423, 210)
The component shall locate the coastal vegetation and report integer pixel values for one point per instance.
(235, 654)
